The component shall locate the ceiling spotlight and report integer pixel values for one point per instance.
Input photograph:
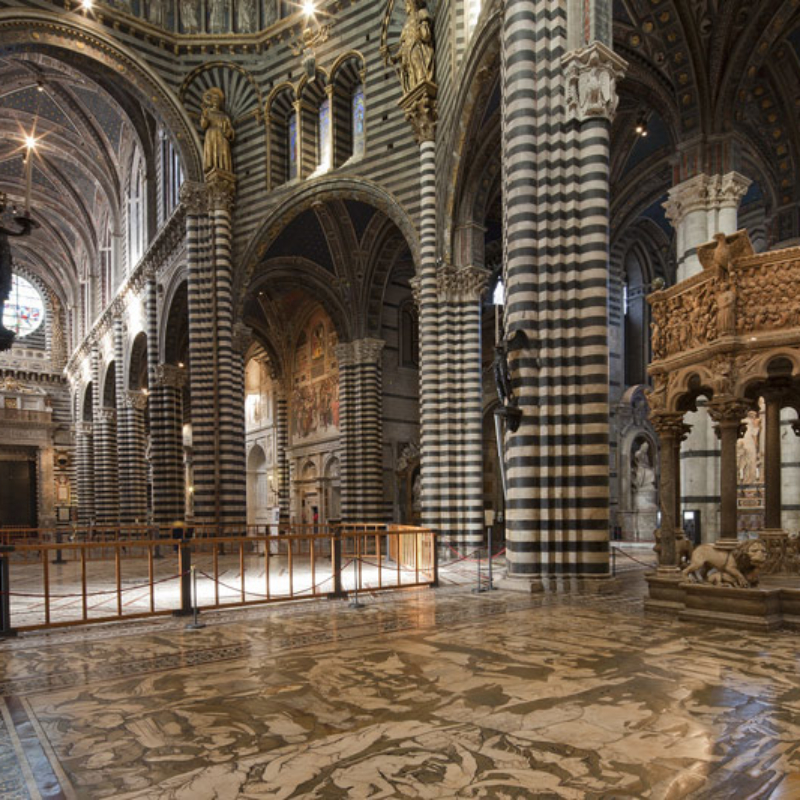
(30, 143)
(309, 9)
(641, 124)
(40, 85)
(86, 5)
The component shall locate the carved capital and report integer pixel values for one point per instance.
(106, 415)
(361, 351)
(686, 197)
(669, 425)
(416, 289)
(465, 284)
(221, 189)
(728, 411)
(420, 110)
(592, 73)
(83, 428)
(169, 375)
(136, 400)
(727, 191)
(194, 197)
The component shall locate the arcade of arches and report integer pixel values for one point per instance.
(261, 296)
(426, 263)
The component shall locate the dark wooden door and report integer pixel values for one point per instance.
(18, 494)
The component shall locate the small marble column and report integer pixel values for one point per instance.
(772, 460)
(727, 413)
(670, 429)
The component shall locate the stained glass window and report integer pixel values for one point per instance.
(358, 121)
(24, 309)
(325, 134)
(292, 146)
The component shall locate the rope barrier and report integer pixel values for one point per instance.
(642, 563)
(94, 594)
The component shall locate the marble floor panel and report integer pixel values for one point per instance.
(422, 694)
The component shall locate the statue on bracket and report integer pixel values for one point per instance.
(189, 19)
(219, 132)
(248, 16)
(414, 53)
(155, 13)
(216, 16)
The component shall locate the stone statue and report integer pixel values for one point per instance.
(216, 16)
(643, 484)
(155, 13)
(248, 16)
(750, 451)
(644, 476)
(726, 309)
(738, 567)
(414, 53)
(189, 18)
(219, 132)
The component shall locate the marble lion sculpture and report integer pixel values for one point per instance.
(737, 567)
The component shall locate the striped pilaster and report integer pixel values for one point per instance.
(84, 443)
(166, 443)
(461, 395)
(360, 392)
(230, 370)
(106, 479)
(202, 353)
(556, 274)
(282, 444)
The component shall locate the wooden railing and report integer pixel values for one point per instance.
(101, 575)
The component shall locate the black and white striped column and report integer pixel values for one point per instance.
(360, 419)
(166, 443)
(106, 479)
(556, 108)
(461, 391)
(282, 445)
(84, 445)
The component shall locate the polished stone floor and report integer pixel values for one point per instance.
(421, 694)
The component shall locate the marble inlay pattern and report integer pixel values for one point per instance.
(423, 694)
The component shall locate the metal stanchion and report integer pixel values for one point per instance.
(59, 558)
(478, 589)
(185, 569)
(354, 602)
(613, 561)
(490, 587)
(336, 563)
(195, 624)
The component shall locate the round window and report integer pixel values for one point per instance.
(24, 309)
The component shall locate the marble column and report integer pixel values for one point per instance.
(166, 438)
(671, 431)
(772, 459)
(727, 414)
(133, 468)
(84, 444)
(361, 424)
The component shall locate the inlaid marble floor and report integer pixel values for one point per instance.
(422, 694)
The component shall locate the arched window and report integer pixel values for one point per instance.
(472, 11)
(136, 214)
(107, 286)
(324, 137)
(635, 314)
(24, 310)
(293, 148)
(357, 121)
(171, 178)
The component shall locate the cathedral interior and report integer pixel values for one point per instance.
(505, 277)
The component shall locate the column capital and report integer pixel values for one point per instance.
(465, 284)
(221, 190)
(592, 73)
(106, 414)
(360, 351)
(420, 110)
(194, 197)
(686, 197)
(83, 428)
(169, 375)
(134, 399)
(727, 191)
(727, 411)
(669, 425)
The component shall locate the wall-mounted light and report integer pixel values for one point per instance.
(641, 124)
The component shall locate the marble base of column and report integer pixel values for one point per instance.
(519, 583)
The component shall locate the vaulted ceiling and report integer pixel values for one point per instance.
(84, 144)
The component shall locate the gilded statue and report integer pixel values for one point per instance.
(414, 53)
(218, 132)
